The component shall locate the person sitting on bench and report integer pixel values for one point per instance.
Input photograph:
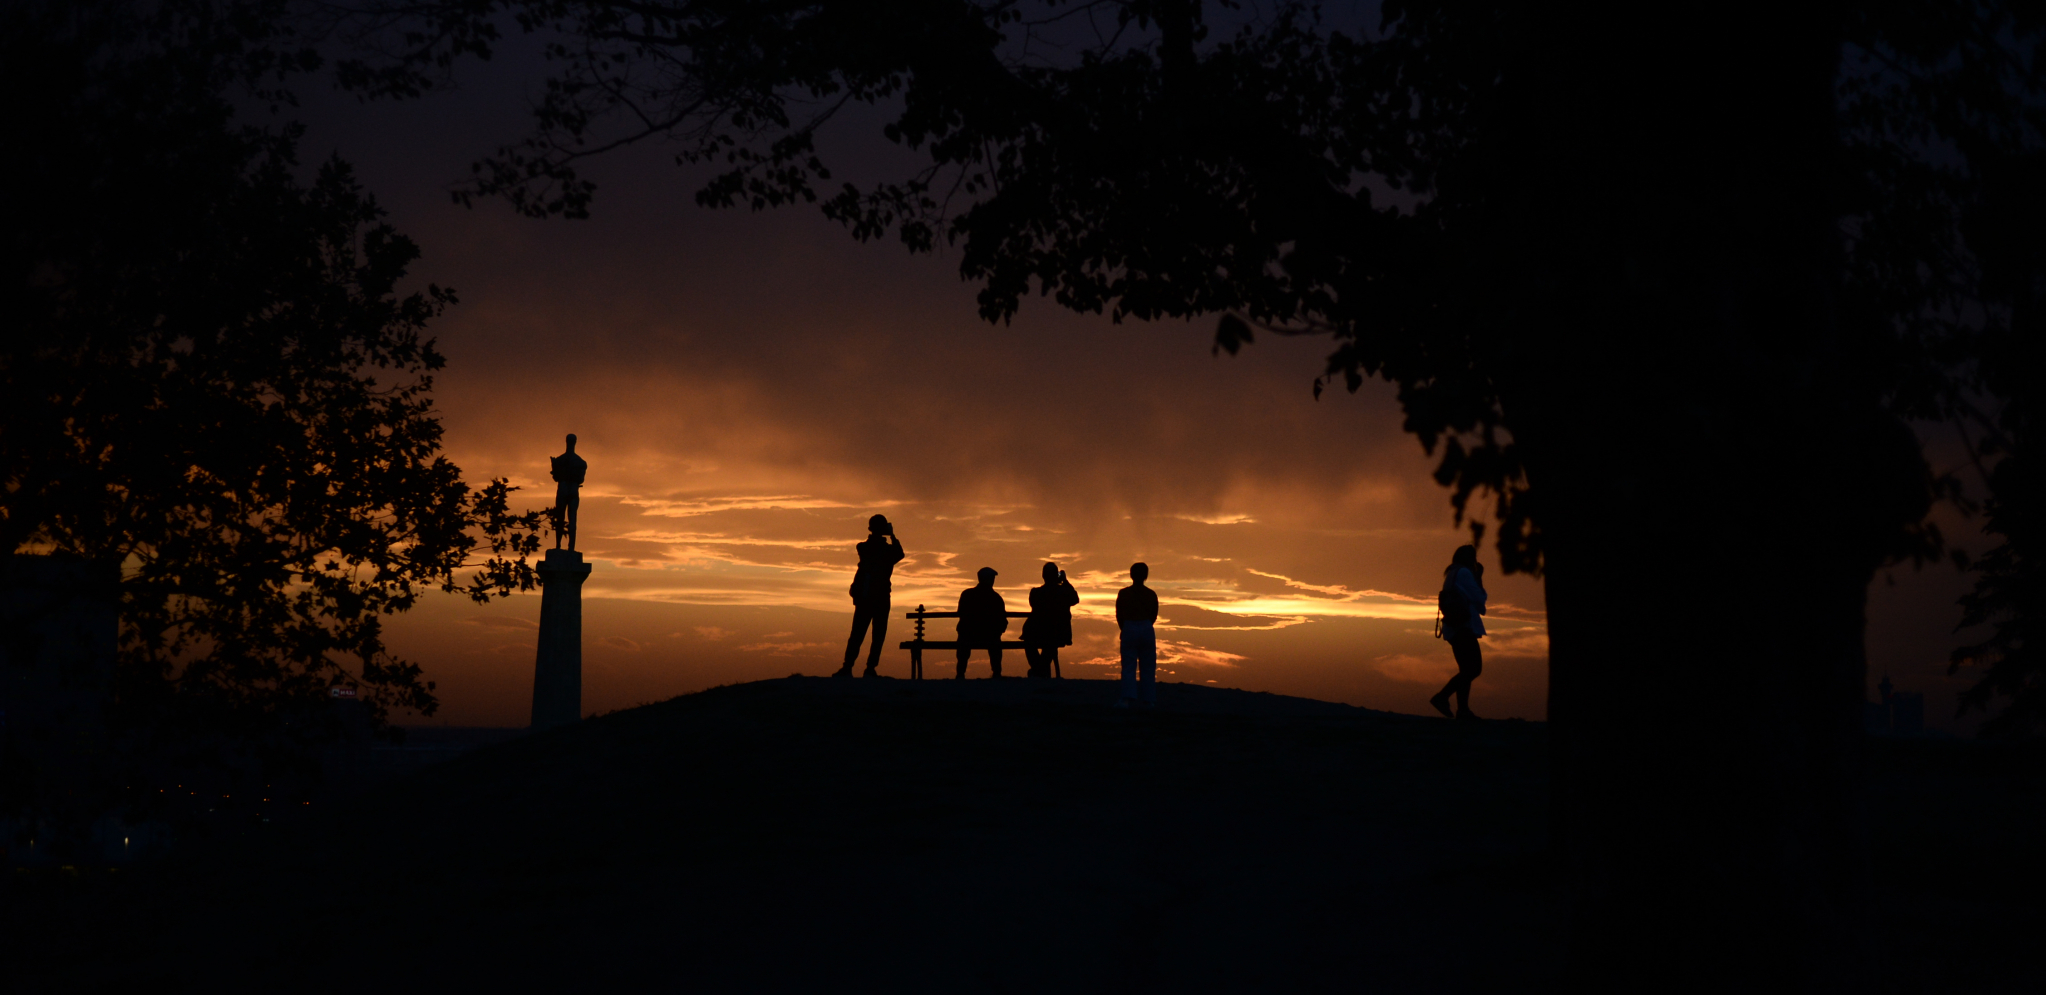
(983, 617)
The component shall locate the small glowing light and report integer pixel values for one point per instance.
(124, 841)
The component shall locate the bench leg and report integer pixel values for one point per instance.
(916, 664)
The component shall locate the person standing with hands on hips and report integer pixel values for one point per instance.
(872, 584)
(1136, 614)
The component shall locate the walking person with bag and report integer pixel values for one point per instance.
(1462, 603)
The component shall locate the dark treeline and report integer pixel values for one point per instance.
(215, 405)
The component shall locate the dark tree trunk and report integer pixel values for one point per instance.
(1716, 487)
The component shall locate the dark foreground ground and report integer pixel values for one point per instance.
(806, 835)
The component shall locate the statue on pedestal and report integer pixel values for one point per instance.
(558, 662)
(568, 471)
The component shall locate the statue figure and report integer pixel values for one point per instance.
(568, 471)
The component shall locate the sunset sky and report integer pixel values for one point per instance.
(748, 388)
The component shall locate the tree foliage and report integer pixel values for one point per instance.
(215, 379)
(1169, 159)
(2010, 591)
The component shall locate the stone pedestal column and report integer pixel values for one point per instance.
(558, 667)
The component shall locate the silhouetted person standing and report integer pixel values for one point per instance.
(871, 586)
(1136, 614)
(983, 617)
(1050, 624)
(1462, 602)
(568, 471)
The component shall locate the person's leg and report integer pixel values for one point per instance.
(880, 611)
(963, 654)
(994, 657)
(1051, 663)
(1033, 662)
(1148, 662)
(1129, 667)
(1470, 662)
(1459, 685)
(1441, 699)
(862, 615)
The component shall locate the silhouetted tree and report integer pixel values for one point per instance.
(212, 382)
(1668, 281)
(2008, 227)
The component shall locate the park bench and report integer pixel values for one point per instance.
(917, 646)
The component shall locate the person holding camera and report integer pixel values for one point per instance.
(871, 587)
(1050, 624)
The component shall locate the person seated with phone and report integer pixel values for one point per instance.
(1050, 624)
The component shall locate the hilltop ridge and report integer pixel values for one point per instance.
(809, 834)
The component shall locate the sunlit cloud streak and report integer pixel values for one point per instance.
(1105, 651)
(671, 508)
(759, 567)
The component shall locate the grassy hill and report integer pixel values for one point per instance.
(812, 835)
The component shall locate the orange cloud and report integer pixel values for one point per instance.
(1415, 669)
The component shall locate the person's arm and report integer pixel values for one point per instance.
(1151, 603)
(898, 554)
(1122, 598)
(999, 612)
(1471, 590)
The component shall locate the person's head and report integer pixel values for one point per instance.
(1051, 572)
(987, 576)
(1140, 572)
(879, 526)
(571, 442)
(1467, 558)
